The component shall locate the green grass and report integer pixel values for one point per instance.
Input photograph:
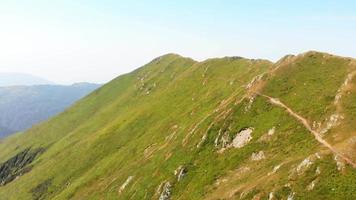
(94, 146)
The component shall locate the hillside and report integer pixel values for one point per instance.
(224, 128)
(24, 106)
(12, 79)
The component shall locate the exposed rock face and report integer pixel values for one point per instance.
(17, 165)
(258, 156)
(304, 165)
(166, 192)
(242, 138)
(333, 121)
(224, 140)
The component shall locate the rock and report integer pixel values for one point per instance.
(339, 163)
(311, 185)
(250, 102)
(270, 196)
(317, 171)
(333, 121)
(18, 165)
(225, 140)
(268, 136)
(291, 196)
(254, 81)
(166, 192)
(317, 155)
(220, 181)
(216, 141)
(275, 169)
(340, 91)
(304, 165)
(205, 136)
(258, 156)
(242, 138)
(123, 186)
(271, 131)
(182, 173)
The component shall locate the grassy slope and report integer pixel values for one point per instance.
(140, 125)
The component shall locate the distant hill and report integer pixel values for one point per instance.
(177, 129)
(12, 79)
(5, 131)
(23, 106)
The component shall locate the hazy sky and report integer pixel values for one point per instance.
(68, 41)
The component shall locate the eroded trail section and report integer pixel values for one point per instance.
(317, 136)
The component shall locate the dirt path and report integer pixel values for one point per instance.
(317, 136)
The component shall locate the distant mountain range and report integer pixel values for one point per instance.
(5, 131)
(23, 106)
(12, 79)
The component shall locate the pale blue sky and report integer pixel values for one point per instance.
(85, 40)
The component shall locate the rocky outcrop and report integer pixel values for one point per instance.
(17, 165)
(258, 156)
(242, 138)
(166, 192)
(331, 122)
(304, 165)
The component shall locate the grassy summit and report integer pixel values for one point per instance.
(170, 129)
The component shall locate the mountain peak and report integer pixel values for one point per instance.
(11, 79)
(170, 56)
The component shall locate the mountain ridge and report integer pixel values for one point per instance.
(12, 79)
(180, 129)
